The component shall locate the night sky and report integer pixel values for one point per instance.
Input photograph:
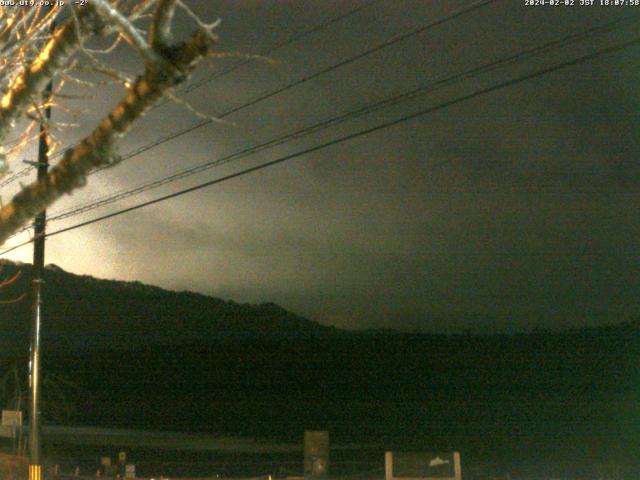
(510, 211)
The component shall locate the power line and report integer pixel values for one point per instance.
(445, 18)
(441, 20)
(189, 88)
(389, 101)
(345, 138)
(195, 85)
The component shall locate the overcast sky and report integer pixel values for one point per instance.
(512, 210)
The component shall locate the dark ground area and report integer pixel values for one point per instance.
(132, 356)
(563, 404)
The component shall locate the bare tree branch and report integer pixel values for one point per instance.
(6, 283)
(9, 281)
(113, 17)
(14, 300)
(172, 67)
(160, 31)
(33, 79)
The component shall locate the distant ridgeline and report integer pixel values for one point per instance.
(82, 312)
(150, 358)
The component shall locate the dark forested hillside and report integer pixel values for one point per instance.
(82, 312)
(205, 364)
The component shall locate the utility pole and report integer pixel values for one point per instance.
(35, 463)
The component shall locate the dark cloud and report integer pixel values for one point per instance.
(509, 211)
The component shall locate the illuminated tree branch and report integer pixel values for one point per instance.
(160, 31)
(32, 80)
(10, 281)
(166, 66)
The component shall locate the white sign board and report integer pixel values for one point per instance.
(422, 466)
(129, 471)
(11, 418)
